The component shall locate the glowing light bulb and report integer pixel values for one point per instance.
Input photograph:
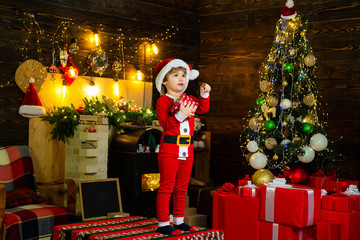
(96, 39)
(72, 72)
(64, 89)
(139, 75)
(155, 49)
(92, 91)
(116, 89)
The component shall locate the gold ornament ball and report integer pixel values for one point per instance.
(309, 119)
(309, 100)
(284, 124)
(270, 143)
(261, 118)
(310, 60)
(253, 123)
(284, 83)
(265, 86)
(275, 157)
(303, 33)
(262, 176)
(272, 100)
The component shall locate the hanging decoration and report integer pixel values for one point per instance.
(71, 72)
(98, 61)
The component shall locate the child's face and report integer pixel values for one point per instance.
(175, 81)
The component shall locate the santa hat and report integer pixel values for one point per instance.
(31, 106)
(288, 10)
(166, 65)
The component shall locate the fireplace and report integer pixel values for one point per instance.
(138, 172)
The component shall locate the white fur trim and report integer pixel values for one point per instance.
(31, 80)
(288, 17)
(289, 3)
(31, 111)
(194, 74)
(190, 75)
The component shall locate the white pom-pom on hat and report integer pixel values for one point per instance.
(288, 11)
(166, 65)
(31, 80)
(289, 3)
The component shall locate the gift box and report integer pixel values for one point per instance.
(341, 202)
(337, 186)
(340, 185)
(275, 231)
(319, 182)
(328, 230)
(297, 206)
(349, 223)
(248, 190)
(237, 216)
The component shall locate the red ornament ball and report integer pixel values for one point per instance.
(296, 175)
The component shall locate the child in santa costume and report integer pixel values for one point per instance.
(176, 112)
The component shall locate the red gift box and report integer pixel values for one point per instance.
(340, 185)
(249, 191)
(297, 206)
(328, 230)
(275, 231)
(349, 223)
(341, 202)
(272, 231)
(185, 99)
(337, 186)
(238, 217)
(319, 182)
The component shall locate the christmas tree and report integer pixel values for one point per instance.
(284, 127)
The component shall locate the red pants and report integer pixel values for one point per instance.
(174, 179)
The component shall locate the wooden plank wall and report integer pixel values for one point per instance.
(236, 36)
(134, 19)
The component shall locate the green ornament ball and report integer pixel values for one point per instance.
(307, 128)
(288, 66)
(260, 101)
(269, 125)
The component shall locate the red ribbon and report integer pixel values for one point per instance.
(226, 188)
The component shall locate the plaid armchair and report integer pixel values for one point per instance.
(24, 214)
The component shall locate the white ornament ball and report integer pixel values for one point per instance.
(285, 103)
(258, 160)
(285, 141)
(252, 146)
(318, 142)
(308, 156)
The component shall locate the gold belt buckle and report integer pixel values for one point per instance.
(188, 142)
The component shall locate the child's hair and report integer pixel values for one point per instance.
(163, 88)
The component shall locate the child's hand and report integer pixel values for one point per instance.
(204, 88)
(188, 109)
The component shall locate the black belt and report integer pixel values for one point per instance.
(180, 140)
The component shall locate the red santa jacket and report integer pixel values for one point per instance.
(175, 126)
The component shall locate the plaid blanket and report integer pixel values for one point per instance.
(34, 220)
(16, 168)
(126, 228)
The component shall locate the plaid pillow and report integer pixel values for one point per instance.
(21, 197)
